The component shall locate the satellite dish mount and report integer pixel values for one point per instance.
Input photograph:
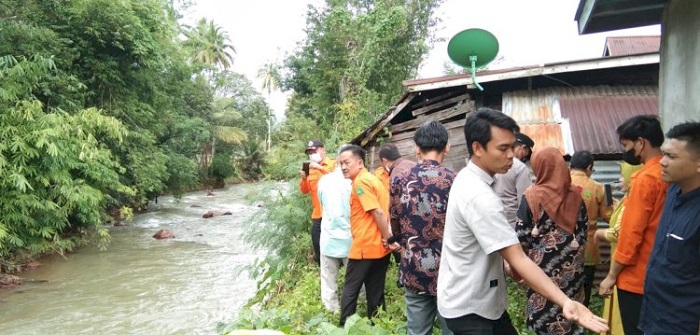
(472, 49)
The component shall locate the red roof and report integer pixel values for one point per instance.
(631, 45)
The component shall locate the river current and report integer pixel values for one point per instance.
(141, 285)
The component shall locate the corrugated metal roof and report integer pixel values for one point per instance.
(416, 85)
(579, 118)
(631, 45)
(594, 118)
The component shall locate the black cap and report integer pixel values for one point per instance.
(524, 139)
(313, 145)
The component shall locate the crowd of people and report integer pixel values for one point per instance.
(515, 210)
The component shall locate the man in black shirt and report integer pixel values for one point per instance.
(672, 287)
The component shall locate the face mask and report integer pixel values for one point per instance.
(631, 158)
(387, 168)
(315, 157)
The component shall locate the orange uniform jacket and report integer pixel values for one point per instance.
(643, 207)
(368, 193)
(310, 184)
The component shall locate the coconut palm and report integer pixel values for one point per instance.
(270, 76)
(222, 128)
(209, 44)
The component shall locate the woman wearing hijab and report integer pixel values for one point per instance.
(552, 228)
(611, 310)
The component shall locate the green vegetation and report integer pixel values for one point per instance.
(348, 71)
(105, 104)
(288, 291)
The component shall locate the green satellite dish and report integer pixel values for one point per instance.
(472, 49)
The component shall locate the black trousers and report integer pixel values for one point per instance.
(630, 307)
(316, 239)
(472, 324)
(371, 273)
(589, 276)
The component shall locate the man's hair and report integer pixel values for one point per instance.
(524, 140)
(581, 160)
(431, 136)
(688, 132)
(356, 151)
(478, 126)
(647, 127)
(389, 151)
(341, 148)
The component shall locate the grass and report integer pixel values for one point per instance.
(297, 309)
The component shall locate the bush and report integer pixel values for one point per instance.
(220, 169)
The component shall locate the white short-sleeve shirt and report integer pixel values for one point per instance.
(471, 279)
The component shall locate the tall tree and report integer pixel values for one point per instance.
(357, 52)
(100, 109)
(271, 79)
(210, 44)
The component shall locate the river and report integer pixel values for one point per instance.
(141, 285)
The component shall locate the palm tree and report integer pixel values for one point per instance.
(209, 44)
(222, 120)
(270, 75)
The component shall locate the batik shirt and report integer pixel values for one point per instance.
(419, 203)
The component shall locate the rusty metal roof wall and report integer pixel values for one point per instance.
(545, 135)
(537, 113)
(579, 118)
(631, 45)
(594, 119)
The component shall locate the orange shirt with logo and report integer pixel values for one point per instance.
(643, 207)
(310, 185)
(368, 193)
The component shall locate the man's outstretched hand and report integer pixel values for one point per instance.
(578, 313)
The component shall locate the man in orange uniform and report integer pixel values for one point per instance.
(641, 136)
(593, 195)
(319, 165)
(369, 225)
(383, 175)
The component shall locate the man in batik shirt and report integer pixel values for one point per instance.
(418, 203)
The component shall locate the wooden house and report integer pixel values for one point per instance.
(571, 106)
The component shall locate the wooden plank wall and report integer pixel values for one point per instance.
(447, 109)
(452, 118)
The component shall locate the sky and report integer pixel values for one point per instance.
(529, 32)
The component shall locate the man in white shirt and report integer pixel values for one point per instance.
(511, 185)
(471, 294)
(334, 196)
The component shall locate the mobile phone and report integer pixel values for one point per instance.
(305, 167)
(608, 194)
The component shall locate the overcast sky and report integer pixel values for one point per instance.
(529, 32)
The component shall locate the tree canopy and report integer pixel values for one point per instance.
(105, 104)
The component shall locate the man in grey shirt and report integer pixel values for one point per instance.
(471, 288)
(511, 185)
